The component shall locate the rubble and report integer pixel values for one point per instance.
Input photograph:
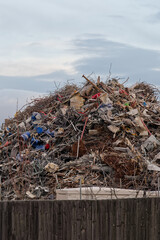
(102, 134)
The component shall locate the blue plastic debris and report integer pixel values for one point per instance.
(34, 142)
(39, 130)
(108, 106)
(49, 132)
(105, 107)
(144, 104)
(40, 147)
(26, 136)
(37, 144)
(35, 116)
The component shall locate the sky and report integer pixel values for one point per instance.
(47, 43)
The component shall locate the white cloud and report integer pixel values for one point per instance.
(156, 69)
(35, 58)
(36, 35)
(35, 66)
(9, 99)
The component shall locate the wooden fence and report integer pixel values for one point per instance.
(127, 219)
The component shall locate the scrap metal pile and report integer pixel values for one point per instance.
(103, 134)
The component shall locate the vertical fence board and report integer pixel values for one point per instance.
(95, 225)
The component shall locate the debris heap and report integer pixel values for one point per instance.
(103, 134)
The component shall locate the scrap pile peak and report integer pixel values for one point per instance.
(102, 134)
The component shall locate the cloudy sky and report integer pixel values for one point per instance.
(45, 43)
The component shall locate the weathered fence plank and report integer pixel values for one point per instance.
(80, 220)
